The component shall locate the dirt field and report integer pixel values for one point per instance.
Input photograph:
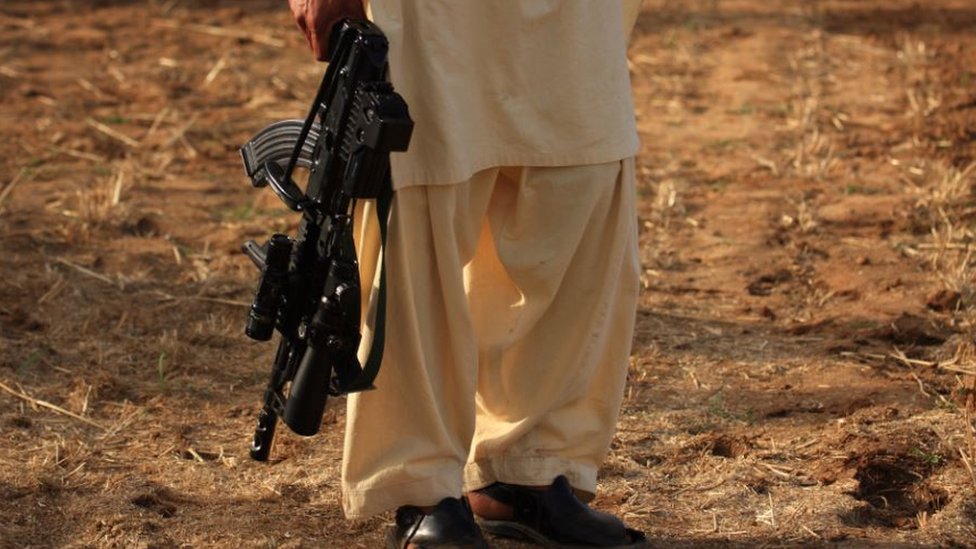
(803, 369)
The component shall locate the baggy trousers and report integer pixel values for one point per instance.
(510, 314)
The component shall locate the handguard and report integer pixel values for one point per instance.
(309, 288)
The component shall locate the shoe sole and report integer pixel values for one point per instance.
(392, 543)
(515, 530)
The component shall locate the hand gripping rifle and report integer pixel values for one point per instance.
(309, 288)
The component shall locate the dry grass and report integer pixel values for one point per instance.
(742, 426)
(812, 154)
(803, 219)
(923, 94)
(944, 209)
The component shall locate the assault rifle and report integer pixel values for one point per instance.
(309, 288)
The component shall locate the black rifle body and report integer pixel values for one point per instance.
(309, 288)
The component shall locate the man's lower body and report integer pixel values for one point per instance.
(510, 313)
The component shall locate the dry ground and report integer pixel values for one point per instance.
(803, 368)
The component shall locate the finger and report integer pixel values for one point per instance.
(303, 26)
(318, 41)
(320, 31)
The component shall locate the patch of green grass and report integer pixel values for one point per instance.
(115, 119)
(854, 188)
(692, 23)
(721, 145)
(700, 427)
(670, 41)
(947, 404)
(718, 408)
(161, 371)
(242, 212)
(28, 363)
(744, 109)
(861, 324)
(781, 110)
(930, 459)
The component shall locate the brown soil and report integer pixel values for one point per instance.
(803, 341)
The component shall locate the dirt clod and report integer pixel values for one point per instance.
(897, 489)
(156, 502)
(764, 284)
(943, 300)
(909, 330)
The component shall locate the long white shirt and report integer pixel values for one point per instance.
(509, 83)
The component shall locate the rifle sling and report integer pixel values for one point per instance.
(372, 365)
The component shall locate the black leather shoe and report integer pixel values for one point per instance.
(449, 526)
(555, 517)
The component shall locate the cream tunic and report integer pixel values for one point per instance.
(484, 88)
(506, 349)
